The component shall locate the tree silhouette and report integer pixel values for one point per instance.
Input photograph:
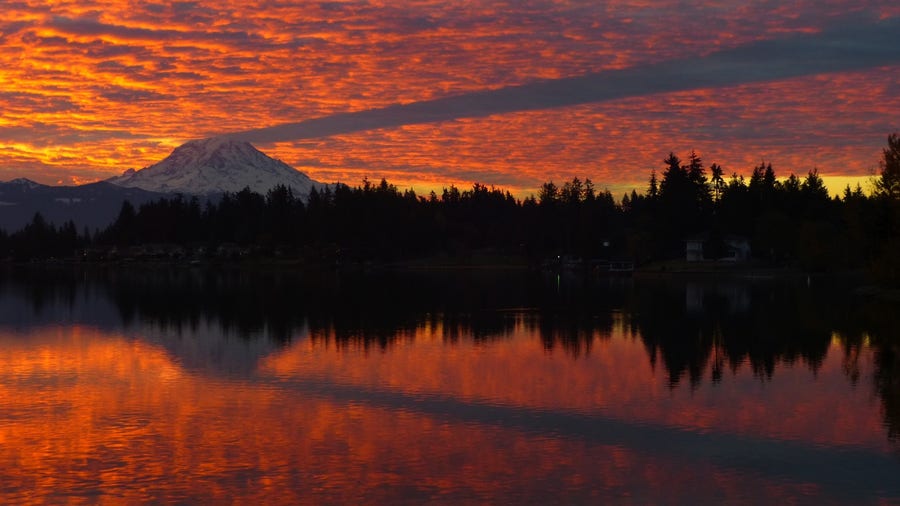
(888, 182)
(653, 187)
(718, 184)
(548, 194)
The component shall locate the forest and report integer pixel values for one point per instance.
(788, 221)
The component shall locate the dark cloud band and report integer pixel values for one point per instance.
(855, 45)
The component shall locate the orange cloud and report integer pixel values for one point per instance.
(833, 123)
(89, 88)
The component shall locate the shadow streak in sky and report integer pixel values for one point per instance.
(856, 45)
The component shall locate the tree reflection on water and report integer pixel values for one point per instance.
(694, 330)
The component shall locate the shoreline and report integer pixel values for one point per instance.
(859, 284)
(653, 270)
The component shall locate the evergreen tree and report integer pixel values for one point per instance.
(548, 194)
(590, 194)
(718, 183)
(699, 185)
(571, 193)
(653, 188)
(813, 187)
(675, 178)
(888, 182)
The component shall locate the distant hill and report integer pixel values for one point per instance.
(93, 205)
(214, 166)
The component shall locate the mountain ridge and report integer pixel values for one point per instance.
(92, 205)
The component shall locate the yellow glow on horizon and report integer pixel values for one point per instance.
(837, 184)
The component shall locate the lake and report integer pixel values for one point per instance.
(179, 385)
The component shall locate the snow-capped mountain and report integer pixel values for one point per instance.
(216, 165)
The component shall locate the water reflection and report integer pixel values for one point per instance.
(128, 426)
(180, 385)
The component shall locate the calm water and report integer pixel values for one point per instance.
(189, 386)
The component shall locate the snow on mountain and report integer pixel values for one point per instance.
(23, 183)
(216, 165)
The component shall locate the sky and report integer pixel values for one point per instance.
(432, 93)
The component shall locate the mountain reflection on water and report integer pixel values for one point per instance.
(551, 383)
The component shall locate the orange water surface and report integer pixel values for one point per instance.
(98, 416)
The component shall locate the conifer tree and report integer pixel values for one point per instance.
(888, 182)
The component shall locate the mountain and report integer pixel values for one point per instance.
(93, 205)
(216, 165)
(206, 168)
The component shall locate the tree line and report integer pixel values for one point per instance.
(788, 221)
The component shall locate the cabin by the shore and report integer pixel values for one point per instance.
(733, 248)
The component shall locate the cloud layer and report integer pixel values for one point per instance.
(447, 92)
(864, 46)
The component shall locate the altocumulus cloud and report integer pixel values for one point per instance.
(855, 44)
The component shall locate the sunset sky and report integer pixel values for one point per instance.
(431, 93)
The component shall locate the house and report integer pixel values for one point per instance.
(737, 249)
(730, 248)
(694, 249)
